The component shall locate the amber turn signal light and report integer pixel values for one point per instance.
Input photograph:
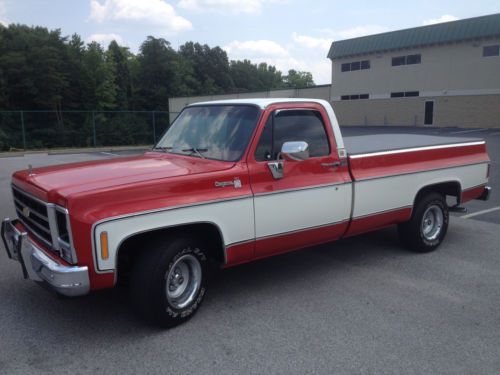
(104, 245)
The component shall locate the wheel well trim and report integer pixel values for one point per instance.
(131, 235)
(430, 186)
(96, 224)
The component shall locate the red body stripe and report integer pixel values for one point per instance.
(416, 161)
(242, 253)
(378, 221)
(470, 194)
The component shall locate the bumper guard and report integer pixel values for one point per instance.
(67, 280)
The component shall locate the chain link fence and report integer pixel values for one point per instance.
(33, 130)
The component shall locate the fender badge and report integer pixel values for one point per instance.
(236, 183)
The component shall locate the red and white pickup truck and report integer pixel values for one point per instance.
(230, 182)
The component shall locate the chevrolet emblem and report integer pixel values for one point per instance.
(26, 211)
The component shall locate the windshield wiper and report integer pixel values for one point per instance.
(196, 150)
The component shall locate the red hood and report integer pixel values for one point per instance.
(79, 177)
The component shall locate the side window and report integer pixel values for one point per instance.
(293, 125)
(301, 125)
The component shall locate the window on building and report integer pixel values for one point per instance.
(413, 59)
(355, 65)
(365, 64)
(489, 51)
(404, 94)
(397, 61)
(407, 60)
(289, 126)
(355, 97)
(397, 94)
(411, 93)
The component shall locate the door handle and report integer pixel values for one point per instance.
(334, 164)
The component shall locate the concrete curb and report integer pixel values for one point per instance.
(73, 151)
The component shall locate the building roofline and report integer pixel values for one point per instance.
(442, 33)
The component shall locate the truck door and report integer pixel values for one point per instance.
(305, 202)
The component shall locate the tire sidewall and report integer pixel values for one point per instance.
(436, 200)
(165, 312)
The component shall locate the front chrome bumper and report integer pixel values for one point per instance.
(37, 266)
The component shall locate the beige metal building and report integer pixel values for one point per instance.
(445, 75)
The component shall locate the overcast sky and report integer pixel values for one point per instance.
(291, 34)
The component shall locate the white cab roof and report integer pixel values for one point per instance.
(263, 102)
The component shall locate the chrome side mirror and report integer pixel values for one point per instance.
(296, 151)
(293, 151)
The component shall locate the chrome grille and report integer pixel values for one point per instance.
(33, 214)
(46, 221)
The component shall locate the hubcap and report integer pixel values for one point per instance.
(183, 281)
(432, 222)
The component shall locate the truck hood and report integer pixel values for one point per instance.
(74, 178)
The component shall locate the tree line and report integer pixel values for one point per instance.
(41, 69)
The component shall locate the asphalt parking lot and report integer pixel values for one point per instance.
(363, 305)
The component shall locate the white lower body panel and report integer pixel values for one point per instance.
(234, 219)
(382, 194)
(295, 210)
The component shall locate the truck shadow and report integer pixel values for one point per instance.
(110, 313)
(328, 260)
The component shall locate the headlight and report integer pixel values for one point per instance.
(64, 238)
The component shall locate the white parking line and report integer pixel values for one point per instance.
(480, 212)
(469, 131)
(108, 153)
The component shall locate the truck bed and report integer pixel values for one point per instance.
(367, 144)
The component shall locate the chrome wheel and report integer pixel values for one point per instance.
(432, 222)
(183, 281)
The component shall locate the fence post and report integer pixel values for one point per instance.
(154, 128)
(93, 127)
(23, 130)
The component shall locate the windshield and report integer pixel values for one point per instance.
(217, 132)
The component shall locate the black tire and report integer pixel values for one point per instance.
(421, 236)
(154, 274)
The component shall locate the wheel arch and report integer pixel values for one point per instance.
(449, 187)
(128, 248)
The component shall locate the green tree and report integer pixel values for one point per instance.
(32, 61)
(298, 79)
(210, 67)
(157, 75)
(99, 88)
(75, 51)
(119, 56)
(252, 77)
